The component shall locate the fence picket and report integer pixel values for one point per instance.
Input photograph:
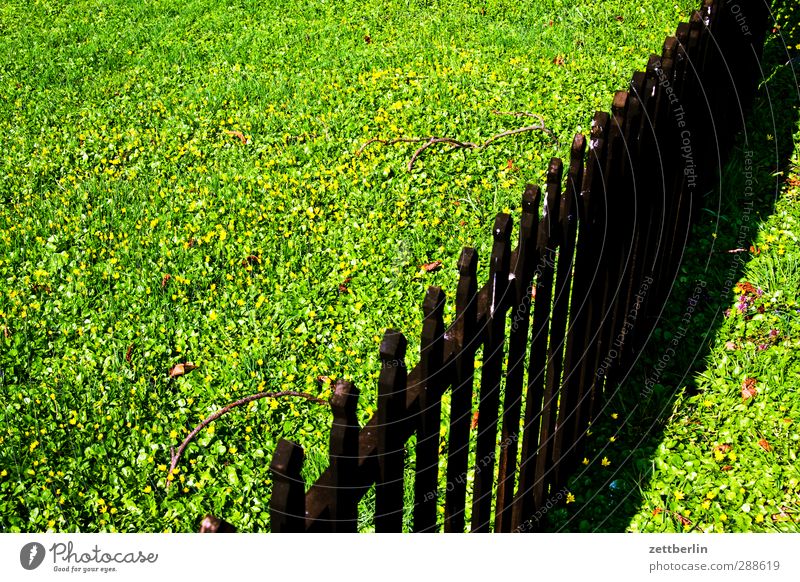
(344, 457)
(287, 506)
(570, 200)
(429, 413)
(493, 348)
(523, 269)
(391, 416)
(464, 336)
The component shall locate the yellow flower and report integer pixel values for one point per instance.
(148, 489)
(585, 461)
(3, 473)
(679, 495)
(723, 517)
(759, 518)
(605, 462)
(162, 467)
(706, 504)
(570, 498)
(614, 416)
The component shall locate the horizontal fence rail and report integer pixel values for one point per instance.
(569, 303)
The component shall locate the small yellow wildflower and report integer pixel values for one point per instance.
(679, 495)
(570, 498)
(605, 462)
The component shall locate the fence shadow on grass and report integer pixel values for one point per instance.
(637, 408)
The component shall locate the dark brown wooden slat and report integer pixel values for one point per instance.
(429, 414)
(491, 372)
(464, 345)
(522, 269)
(593, 213)
(344, 457)
(614, 245)
(529, 491)
(570, 200)
(287, 505)
(547, 243)
(619, 239)
(390, 427)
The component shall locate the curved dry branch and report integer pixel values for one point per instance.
(427, 142)
(175, 456)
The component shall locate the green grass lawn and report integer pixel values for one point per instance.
(712, 446)
(179, 182)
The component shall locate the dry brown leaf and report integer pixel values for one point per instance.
(782, 516)
(431, 267)
(683, 520)
(559, 60)
(723, 448)
(236, 134)
(367, 39)
(727, 468)
(749, 388)
(474, 423)
(129, 354)
(324, 379)
(656, 511)
(619, 18)
(251, 260)
(343, 285)
(765, 445)
(181, 369)
(165, 279)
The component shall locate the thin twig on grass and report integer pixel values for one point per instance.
(458, 144)
(176, 455)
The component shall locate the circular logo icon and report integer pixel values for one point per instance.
(31, 555)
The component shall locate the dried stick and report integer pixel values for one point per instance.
(457, 144)
(176, 455)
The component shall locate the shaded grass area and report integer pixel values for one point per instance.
(709, 442)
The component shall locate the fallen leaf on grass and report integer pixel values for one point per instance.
(251, 260)
(559, 60)
(765, 445)
(683, 520)
(431, 267)
(723, 448)
(129, 354)
(324, 379)
(749, 388)
(237, 134)
(727, 468)
(367, 39)
(165, 279)
(782, 516)
(619, 18)
(343, 285)
(181, 369)
(656, 511)
(474, 423)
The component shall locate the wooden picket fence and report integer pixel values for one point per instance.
(561, 317)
